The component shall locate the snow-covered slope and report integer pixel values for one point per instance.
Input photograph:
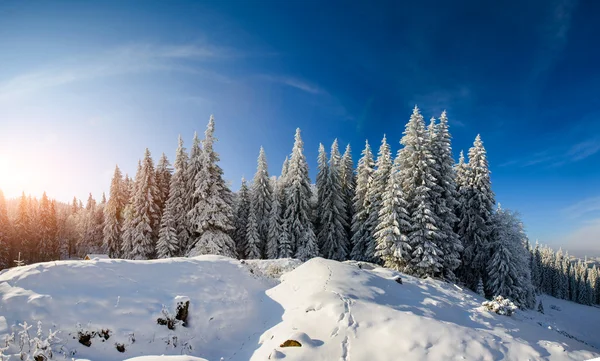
(337, 311)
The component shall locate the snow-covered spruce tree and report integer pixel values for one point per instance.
(417, 177)
(573, 287)
(566, 268)
(212, 215)
(163, 182)
(446, 203)
(323, 170)
(178, 201)
(375, 194)
(168, 245)
(253, 241)
(241, 220)
(480, 289)
(128, 217)
(194, 167)
(5, 234)
(476, 222)
(558, 287)
(332, 235)
(348, 188)
(508, 271)
(49, 232)
(262, 197)
(391, 233)
(276, 232)
(582, 284)
(146, 213)
(297, 213)
(536, 268)
(361, 233)
(113, 216)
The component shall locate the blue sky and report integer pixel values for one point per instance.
(85, 85)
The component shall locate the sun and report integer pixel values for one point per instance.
(12, 179)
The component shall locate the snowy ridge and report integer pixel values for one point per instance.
(337, 311)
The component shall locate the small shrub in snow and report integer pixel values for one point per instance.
(540, 307)
(26, 347)
(500, 305)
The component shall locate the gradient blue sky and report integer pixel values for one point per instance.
(85, 85)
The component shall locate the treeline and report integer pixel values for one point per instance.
(558, 275)
(38, 230)
(417, 212)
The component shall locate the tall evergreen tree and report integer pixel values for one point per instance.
(476, 219)
(276, 234)
(262, 197)
(252, 236)
(144, 236)
(128, 217)
(163, 181)
(48, 241)
(178, 193)
(193, 171)
(168, 244)
(417, 177)
(361, 232)
(375, 193)
(5, 234)
(446, 203)
(322, 174)
(348, 188)
(113, 216)
(391, 233)
(242, 213)
(332, 235)
(212, 215)
(297, 214)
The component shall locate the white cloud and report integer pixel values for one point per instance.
(294, 83)
(121, 60)
(583, 208)
(584, 240)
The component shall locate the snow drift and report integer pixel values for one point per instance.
(337, 311)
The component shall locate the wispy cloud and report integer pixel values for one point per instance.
(122, 60)
(584, 240)
(559, 156)
(586, 207)
(299, 84)
(554, 33)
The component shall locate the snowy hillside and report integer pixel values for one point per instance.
(238, 311)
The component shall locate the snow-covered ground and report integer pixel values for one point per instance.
(239, 311)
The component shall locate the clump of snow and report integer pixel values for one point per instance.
(500, 305)
(337, 311)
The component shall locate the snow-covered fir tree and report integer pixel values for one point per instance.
(242, 213)
(508, 271)
(212, 216)
(49, 247)
(418, 181)
(5, 234)
(194, 168)
(143, 224)
(323, 170)
(332, 215)
(391, 233)
(361, 232)
(480, 289)
(348, 188)
(276, 234)
(178, 201)
(375, 193)
(163, 182)
(297, 213)
(253, 239)
(168, 244)
(446, 203)
(128, 217)
(475, 225)
(262, 197)
(113, 216)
